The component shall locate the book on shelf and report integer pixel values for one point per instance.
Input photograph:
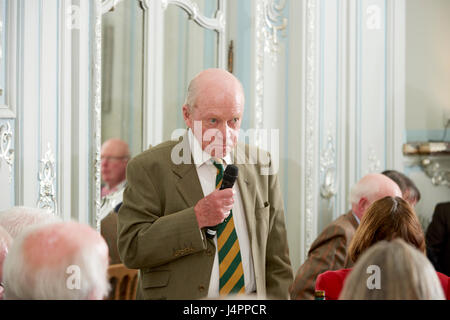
(438, 147)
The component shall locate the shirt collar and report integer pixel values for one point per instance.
(118, 187)
(201, 157)
(356, 217)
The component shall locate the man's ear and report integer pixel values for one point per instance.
(363, 204)
(187, 116)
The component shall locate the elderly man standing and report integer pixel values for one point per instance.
(114, 156)
(329, 250)
(168, 205)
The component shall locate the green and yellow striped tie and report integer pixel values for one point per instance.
(230, 262)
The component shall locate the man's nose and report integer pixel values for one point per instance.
(224, 130)
(104, 162)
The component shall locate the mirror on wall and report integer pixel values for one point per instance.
(145, 71)
(188, 49)
(122, 74)
(427, 102)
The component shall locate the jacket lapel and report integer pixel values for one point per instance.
(247, 191)
(188, 184)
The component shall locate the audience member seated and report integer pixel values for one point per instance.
(114, 155)
(392, 270)
(108, 229)
(438, 238)
(65, 260)
(17, 219)
(5, 243)
(386, 219)
(410, 192)
(329, 250)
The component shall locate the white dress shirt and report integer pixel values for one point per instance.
(207, 172)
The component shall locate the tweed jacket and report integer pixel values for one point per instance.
(327, 252)
(158, 232)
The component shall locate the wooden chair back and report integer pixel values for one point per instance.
(123, 282)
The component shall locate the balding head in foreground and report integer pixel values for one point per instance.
(17, 219)
(65, 261)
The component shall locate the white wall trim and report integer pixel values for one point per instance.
(311, 129)
(396, 122)
(9, 109)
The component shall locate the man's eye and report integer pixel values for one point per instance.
(213, 120)
(236, 120)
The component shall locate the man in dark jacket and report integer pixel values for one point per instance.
(438, 240)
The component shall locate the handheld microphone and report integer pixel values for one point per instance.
(229, 178)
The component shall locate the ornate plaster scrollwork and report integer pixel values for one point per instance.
(328, 168)
(374, 162)
(259, 70)
(439, 176)
(108, 5)
(269, 22)
(97, 122)
(47, 177)
(274, 24)
(6, 152)
(191, 8)
(311, 111)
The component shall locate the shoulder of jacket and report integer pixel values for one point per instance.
(155, 153)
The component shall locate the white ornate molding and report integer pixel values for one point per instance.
(374, 162)
(311, 126)
(438, 170)
(6, 151)
(10, 32)
(97, 119)
(275, 23)
(191, 8)
(108, 5)
(259, 66)
(47, 178)
(268, 15)
(328, 169)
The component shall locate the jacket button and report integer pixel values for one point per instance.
(201, 288)
(209, 252)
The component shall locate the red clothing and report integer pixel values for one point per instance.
(332, 283)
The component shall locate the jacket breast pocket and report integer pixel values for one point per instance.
(155, 279)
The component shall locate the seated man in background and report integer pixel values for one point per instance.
(114, 156)
(410, 192)
(64, 260)
(438, 238)
(16, 219)
(405, 274)
(108, 229)
(5, 243)
(329, 250)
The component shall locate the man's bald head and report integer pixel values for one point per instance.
(44, 248)
(119, 146)
(214, 86)
(42, 262)
(371, 188)
(5, 243)
(115, 154)
(215, 103)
